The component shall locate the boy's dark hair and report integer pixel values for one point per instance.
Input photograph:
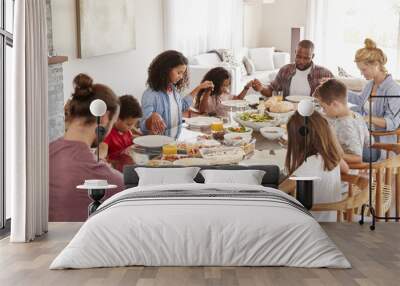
(129, 107)
(160, 67)
(331, 90)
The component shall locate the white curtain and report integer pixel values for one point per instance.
(338, 28)
(26, 117)
(316, 28)
(196, 26)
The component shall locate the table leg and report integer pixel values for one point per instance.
(96, 195)
(304, 193)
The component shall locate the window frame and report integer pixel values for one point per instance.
(6, 39)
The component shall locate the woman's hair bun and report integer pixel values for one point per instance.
(83, 85)
(369, 44)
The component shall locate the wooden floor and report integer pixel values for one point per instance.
(375, 257)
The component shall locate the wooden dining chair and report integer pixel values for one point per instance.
(397, 170)
(356, 196)
(382, 172)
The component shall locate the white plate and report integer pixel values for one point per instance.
(297, 98)
(234, 103)
(191, 162)
(153, 141)
(202, 121)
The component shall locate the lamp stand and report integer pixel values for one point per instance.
(304, 192)
(370, 205)
(98, 138)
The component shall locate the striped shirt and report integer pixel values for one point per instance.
(284, 77)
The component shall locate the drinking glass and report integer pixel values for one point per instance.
(279, 95)
(217, 126)
(217, 130)
(170, 149)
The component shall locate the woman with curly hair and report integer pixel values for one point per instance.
(162, 102)
(208, 101)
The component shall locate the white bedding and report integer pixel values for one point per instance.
(200, 231)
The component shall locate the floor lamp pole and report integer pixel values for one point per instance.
(370, 205)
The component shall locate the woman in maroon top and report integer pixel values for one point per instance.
(71, 161)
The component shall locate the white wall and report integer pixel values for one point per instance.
(279, 18)
(123, 72)
(252, 26)
(270, 24)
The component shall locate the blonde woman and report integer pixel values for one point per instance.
(385, 112)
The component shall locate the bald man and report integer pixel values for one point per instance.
(300, 78)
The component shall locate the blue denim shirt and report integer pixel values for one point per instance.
(388, 108)
(158, 101)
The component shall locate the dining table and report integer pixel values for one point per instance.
(264, 152)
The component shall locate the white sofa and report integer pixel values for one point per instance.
(200, 64)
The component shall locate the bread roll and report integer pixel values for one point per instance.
(270, 102)
(282, 107)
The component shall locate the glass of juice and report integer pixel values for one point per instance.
(217, 130)
(279, 95)
(169, 149)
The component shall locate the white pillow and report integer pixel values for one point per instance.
(263, 58)
(166, 176)
(248, 177)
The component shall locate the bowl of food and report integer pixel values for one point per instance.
(272, 133)
(255, 120)
(236, 139)
(242, 130)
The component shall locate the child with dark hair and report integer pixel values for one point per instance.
(209, 100)
(122, 133)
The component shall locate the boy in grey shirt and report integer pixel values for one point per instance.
(350, 128)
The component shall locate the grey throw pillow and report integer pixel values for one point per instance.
(248, 63)
(343, 73)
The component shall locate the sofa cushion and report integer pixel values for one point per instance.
(207, 59)
(263, 58)
(248, 63)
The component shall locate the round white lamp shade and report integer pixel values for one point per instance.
(98, 107)
(305, 107)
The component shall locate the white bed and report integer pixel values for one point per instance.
(182, 230)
